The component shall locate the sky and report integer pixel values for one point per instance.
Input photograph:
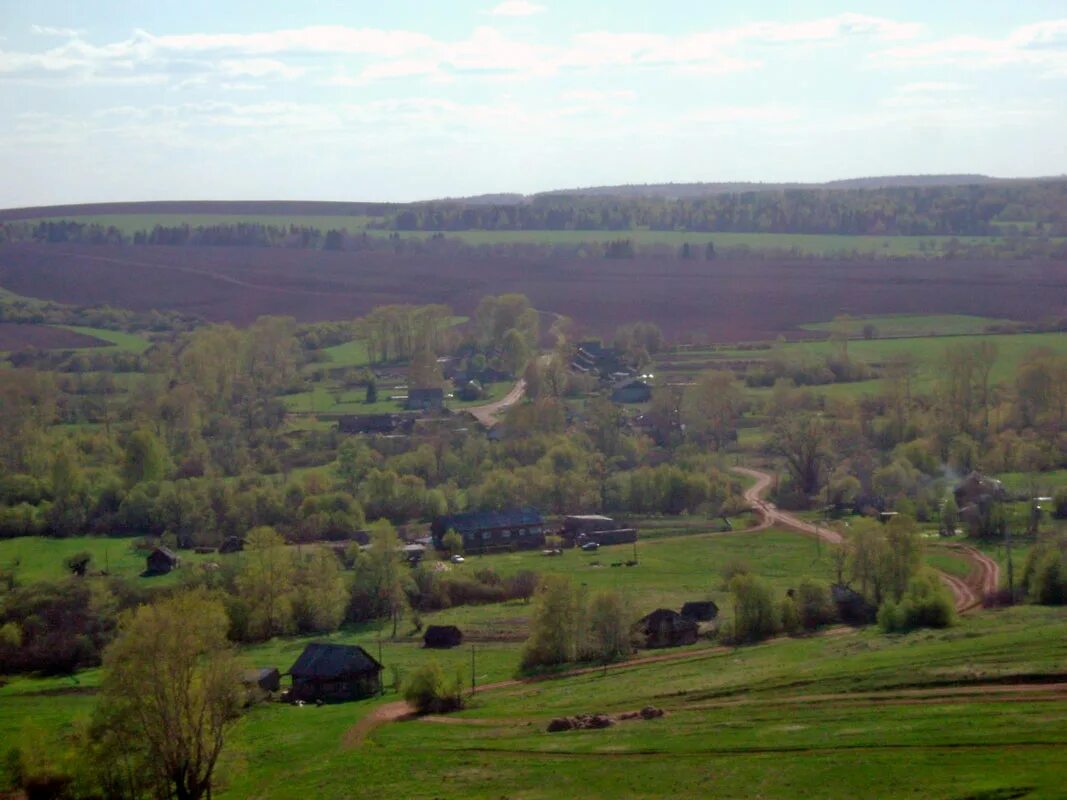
(404, 100)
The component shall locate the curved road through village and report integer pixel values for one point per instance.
(968, 593)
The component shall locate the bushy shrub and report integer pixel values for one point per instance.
(814, 605)
(1045, 574)
(925, 604)
(756, 616)
(431, 692)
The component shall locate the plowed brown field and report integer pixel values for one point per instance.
(725, 300)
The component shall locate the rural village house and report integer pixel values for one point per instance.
(430, 399)
(581, 528)
(161, 561)
(666, 628)
(631, 390)
(442, 636)
(515, 528)
(700, 610)
(335, 673)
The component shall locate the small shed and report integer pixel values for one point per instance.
(267, 678)
(666, 628)
(161, 561)
(700, 610)
(442, 636)
(631, 390)
(335, 673)
(428, 399)
(852, 607)
(232, 544)
(978, 489)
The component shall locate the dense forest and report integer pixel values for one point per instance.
(976, 210)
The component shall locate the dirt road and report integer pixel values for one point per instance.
(487, 414)
(967, 593)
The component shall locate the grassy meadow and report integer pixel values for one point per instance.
(851, 715)
(802, 244)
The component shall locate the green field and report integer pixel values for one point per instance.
(855, 715)
(324, 400)
(118, 339)
(851, 713)
(927, 351)
(349, 354)
(806, 244)
(896, 325)
(130, 224)
(40, 558)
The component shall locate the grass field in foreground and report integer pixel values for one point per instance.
(853, 715)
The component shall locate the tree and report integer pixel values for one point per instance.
(712, 408)
(553, 624)
(172, 676)
(372, 391)
(379, 580)
(321, 593)
(145, 459)
(265, 584)
(609, 627)
(453, 542)
(803, 440)
(514, 352)
(78, 564)
(755, 616)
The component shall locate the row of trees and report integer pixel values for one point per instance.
(913, 211)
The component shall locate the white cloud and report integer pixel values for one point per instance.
(1042, 45)
(342, 55)
(516, 8)
(47, 30)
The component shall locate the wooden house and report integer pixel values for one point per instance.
(335, 673)
(426, 399)
(631, 390)
(161, 561)
(442, 636)
(666, 628)
(700, 610)
(578, 529)
(515, 528)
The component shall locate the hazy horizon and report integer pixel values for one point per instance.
(234, 101)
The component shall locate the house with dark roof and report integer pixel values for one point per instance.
(578, 529)
(666, 628)
(427, 399)
(161, 561)
(442, 636)
(700, 610)
(383, 424)
(631, 390)
(509, 529)
(335, 673)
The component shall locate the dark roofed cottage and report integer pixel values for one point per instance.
(667, 628)
(161, 561)
(442, 636)
(513, 528)
(334, 673)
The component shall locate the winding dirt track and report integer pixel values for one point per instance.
(968, 594)
(487, 414)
